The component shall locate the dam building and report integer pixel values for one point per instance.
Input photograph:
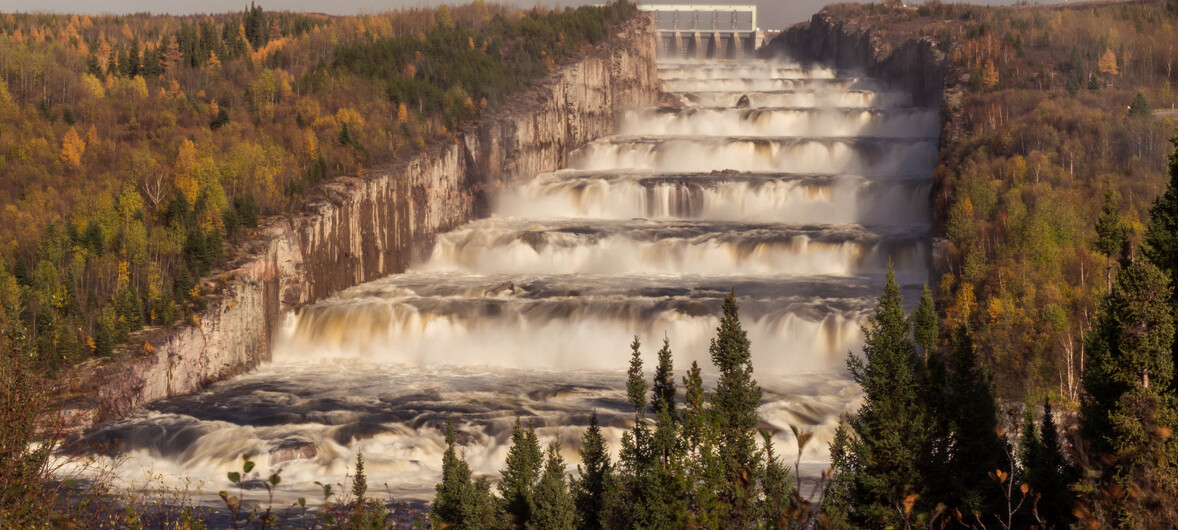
(706, 31)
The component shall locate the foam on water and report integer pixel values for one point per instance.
(796, 201)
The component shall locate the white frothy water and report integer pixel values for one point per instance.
(797, 201)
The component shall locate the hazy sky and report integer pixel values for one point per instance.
(771, 14)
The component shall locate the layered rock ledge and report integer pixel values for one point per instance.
(362, 228)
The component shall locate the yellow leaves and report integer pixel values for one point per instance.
(72, 149)
(349, 116)
(183, 169)
(148, 349)
(995, 311)
(909, 502)
(1108, 63)
(5, 97)
(963, 306)
(402, 113)
(93, 86)
(410, 71)
(310, 144)
(989, 75)
(124, 277)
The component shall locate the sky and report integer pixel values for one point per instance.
(771, 14)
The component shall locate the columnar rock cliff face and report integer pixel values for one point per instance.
(916, 65)
(362, 228)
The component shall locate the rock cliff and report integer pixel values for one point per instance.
(368, 226)
(915, 64)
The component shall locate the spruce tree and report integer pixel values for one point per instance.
(518, 480)
(1161, 236)
(635, 381)
(973, 412)
(459, 501)
(664, 389)
(596, 477)
(703, 471)
(734, 403)
(925, 324)
(360, 481)
(1127, 409)
(877, 455)
(1109, 233)
(778, 489)
(553, 504)
(1048, 472)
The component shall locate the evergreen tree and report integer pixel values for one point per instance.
(635, 381)
(703, 472)
(518, 480)
(554, 505)
(925, 324)
(103, 341)
(1139, 107)
(1109, 233)
(663, 392)
(1047, 470)
(1127, 411)
(734, 403)
(130, 309)
(778, 488)
(360, 481)
(877, 453)
(596, 478)
(977, 449)
(461, 502)
(1161, 237)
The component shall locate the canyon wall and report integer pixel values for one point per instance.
(365, 227)
(916, 64)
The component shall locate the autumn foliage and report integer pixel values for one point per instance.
(139, 152)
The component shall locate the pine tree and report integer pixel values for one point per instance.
(663, 392)
(1139, 107)
(734, 403)
(103, 341)
(702, 468)
(554, 505)
(1161, 238)
(877, 456)
(1127, 411)
(360, 481)
(1047, 470)
(973, 412)
(518, 479)
(635, 381)
(596, 477)
(925, 324)
(461, 502)
(1109, 233)
(778, 488)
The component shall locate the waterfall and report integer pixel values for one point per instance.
(795, 188)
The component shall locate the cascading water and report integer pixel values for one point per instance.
(793, 187)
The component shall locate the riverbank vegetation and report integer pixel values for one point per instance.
(1053, 152)
(139, 151)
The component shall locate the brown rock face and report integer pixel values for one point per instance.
(916, 65)
(366, 227)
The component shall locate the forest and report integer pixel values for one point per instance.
(1033, 386)
(139, 152)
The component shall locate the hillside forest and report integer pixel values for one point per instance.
(140, 151)
(1032, 387)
